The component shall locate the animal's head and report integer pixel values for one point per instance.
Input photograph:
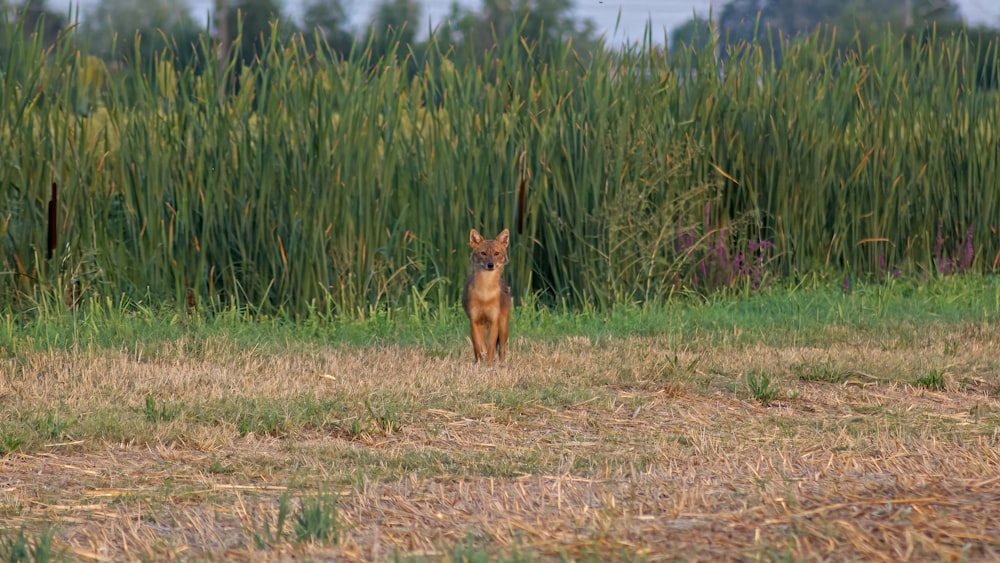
(489, 254)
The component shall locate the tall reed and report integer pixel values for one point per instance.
(309, 183)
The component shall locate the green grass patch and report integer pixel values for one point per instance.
(314, 520)
(802, 315)
(822, 371)
(528, 396)
(161, 421)
(271, 417)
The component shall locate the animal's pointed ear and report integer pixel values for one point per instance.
(475, 239)
(504, 237)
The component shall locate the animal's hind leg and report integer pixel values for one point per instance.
(504, 331)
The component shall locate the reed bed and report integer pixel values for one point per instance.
(307, 184)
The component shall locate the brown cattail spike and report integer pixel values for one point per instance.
(53, 221)
(522, 190)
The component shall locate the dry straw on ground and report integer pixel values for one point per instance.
(648, 448)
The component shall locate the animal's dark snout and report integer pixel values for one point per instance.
(489, 265)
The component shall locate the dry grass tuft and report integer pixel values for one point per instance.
(638, 447)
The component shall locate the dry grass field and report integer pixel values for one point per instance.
(848, 443)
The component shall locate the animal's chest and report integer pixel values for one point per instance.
(480, 294)
(483, 287)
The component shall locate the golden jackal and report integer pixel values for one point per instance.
(486, 297)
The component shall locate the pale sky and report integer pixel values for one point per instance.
(664, 14)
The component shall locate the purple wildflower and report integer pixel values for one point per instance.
(969, 250)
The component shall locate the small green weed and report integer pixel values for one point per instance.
(470, 552)
(24, 548)
(760, 388)
(674, 368)
(386, 417)
(268, 536)
(162, 412)
(356, 429)
(476, 549)
(218, 468)
(267, 422)
(317, 520)
(51, 427)
(934, 380)
(307, 412)
(821, 372)
(10, 442)
(250, 416)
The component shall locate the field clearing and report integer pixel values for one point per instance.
(847, 444)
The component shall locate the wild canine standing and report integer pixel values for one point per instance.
(486, 297)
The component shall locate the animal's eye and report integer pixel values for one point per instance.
(497, 253)
(483, 253)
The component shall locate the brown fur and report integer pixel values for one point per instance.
(486, 298)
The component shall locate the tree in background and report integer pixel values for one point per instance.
(123, 30)
(471, 33)
(770, 22)
(394, 27)
(866, 20)
(252, 20)
(740, 18)
(696, 34)
(858, 24)
(869, 19)
(330, 20)
(34, 16)
(547, 24)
